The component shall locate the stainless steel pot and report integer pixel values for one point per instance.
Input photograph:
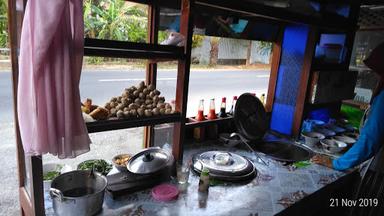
(79, 192)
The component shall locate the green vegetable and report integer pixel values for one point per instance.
(50, 175)
(100, 165)
(302, 164)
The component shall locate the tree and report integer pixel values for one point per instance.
(214, 52)
(115, 20)
(3, 24)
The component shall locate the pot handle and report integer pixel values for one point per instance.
(53, 192)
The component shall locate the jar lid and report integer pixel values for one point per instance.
(165, 192)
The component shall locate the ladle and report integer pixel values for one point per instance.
(243, 140)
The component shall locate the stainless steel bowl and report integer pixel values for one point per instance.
(79, 192)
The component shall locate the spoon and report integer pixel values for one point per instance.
(246, 143)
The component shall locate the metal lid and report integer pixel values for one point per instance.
(148, 161)
(222, 163)
(250, 117)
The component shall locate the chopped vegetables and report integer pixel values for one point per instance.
(50, 175)
(100, 165)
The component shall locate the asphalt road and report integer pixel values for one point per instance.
(101, 85)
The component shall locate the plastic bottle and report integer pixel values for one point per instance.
(204, 180)
(200, 112)
(223, 112)
(232, 110)
(262, 98)
(212, 110)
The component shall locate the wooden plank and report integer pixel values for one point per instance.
(131, 53)
(151, 69)
(186, 29)
(275, 62)
(25, 202)
(304, 81)
(123, 49)
(191, 123)
(107, 125)
(126, 45)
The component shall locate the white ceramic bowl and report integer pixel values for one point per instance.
(345, 139)
(352, 135)
(324, 131)
(333, 146)
(312, 138)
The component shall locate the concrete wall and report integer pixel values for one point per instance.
(230, 51)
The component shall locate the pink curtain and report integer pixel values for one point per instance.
(51, 55)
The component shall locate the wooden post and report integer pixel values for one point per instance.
(186, 29)
(275, 62)
(32, 198)
(304, 81)
(151, 70)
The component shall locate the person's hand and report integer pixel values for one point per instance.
(322, 160)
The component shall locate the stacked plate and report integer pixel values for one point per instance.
(224, 165)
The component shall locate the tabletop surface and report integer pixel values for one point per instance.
(276, 187)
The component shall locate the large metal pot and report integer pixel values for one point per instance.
(79, 192)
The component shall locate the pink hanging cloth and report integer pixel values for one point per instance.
(51, 55)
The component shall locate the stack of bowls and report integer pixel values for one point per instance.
(333, 146)
(312, 138)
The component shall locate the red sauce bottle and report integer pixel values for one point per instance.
(200, 113)
(212, 110)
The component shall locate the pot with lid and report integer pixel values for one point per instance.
(79, 192)
(150, 161)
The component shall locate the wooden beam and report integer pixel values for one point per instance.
(25, 202)
(186, 29)
(304, 81)
(15, 18)
(151, 69)
(275, 62)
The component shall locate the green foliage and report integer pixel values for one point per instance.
(264, 47)
(3, 24)
(197, 40)
(115, 20)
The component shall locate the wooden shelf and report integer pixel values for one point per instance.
(107, 125)
(193, 123)
(284, 15)
(122, 49)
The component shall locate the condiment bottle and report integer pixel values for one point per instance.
(262, 98)
(200, 112)
(232, 110)
(212, 110)
(223, 106)
(204, 180)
